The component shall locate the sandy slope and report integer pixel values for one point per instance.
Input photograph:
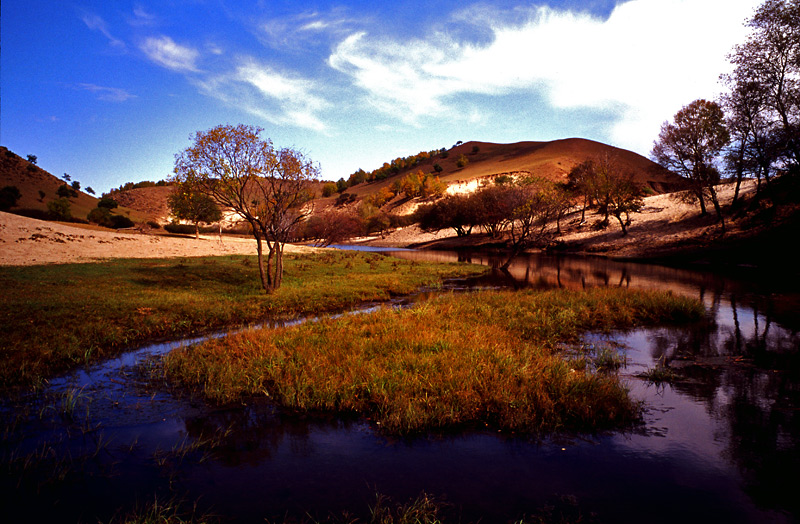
(665, 223)
(26, 241)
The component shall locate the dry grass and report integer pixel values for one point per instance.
(483, 359)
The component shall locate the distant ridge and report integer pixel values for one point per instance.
(549, 160)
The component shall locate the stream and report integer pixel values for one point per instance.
(718, 445)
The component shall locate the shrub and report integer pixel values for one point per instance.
(328, 189)
(121, 222)
(9, 196)
(100, 216)
(462, 161)
(108, 203)
(438, 168)
(64, 191)
(475, 150)
(59, 208)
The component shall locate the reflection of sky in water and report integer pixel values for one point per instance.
(695, 459)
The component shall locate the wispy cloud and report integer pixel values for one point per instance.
(107, 94)
(280, 98)
(632, 63)
(294, 32)
(96, 23)
(165, 52)
(142, 18)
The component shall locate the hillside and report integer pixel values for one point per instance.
(30, 179)
(150, 201)
(549, 160)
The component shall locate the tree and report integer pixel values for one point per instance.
(9, 196)
(691, 145)
(60, 209)
(32, 159)
(76, 185)
(462, 161)
(90, 190)
(767, 72)
(332, 227)
(107, 202)
(65, 191)
(267, 187)
(66, 177)
(196, 207)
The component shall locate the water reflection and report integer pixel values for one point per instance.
(720, 444)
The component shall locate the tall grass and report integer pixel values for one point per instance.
(483, 359)
(56, 317)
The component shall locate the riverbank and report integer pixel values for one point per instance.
(60, 316)
(667, 230)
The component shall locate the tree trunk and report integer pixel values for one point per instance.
(197, 230)
(260, 253)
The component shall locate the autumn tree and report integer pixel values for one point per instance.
(691, 145)
(196, 207)
(267, 187)
(332, 227)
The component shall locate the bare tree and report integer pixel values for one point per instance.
(267, 188)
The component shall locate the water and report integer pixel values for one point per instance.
(721, 445)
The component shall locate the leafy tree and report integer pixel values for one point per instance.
(186, 204)
(767, 73)
(475, 150)
(267, 187)
(60, 209)
(66, 177)
(333, 227)
(438, 168)
(32, 159)
(76, 185)
(691, 145)
(452, 211)
(462, 161)
(90, 190)
(9, 196)
(342, 185)
(107, 202)
(100, 216)
(65, 191)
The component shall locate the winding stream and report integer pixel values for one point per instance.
(721, 445)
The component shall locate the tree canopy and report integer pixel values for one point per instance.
(267, 187)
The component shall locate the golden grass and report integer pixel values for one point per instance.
(482, 359)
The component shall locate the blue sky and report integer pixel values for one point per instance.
(109, 92)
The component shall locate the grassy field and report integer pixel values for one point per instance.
(485, 359)
(56, 317)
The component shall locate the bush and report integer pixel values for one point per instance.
(121, 222)
(328, 189)
(9, 196)
(180, 229)
(100, 216)
(107, 203)
(59, 209)
(462, 161)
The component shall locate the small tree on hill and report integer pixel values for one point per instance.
(32, 159)
(196, 207)
(60, 209)
(462, 161)
(107, 202)
(690, 146)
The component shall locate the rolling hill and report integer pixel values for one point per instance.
(549, 160)
(33, 181)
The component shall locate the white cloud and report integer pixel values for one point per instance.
(643, 62)
(165, 52)
(142, 18)
(296, 32)
(107, 94)
(96, 23)
(278, 97)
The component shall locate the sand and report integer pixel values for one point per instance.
(26, 241)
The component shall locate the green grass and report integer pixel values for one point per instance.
(56, 317)
(475, 360)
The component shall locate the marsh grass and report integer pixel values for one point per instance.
(469, 360)
(56, 317)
